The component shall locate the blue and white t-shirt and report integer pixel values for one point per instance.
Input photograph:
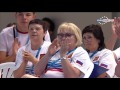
(105, 58)
(79, 59)
(19, 57)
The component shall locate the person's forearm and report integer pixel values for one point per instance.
(20, 71)
(69, 70)
(41, 65)
(8, 59)
(34, 61)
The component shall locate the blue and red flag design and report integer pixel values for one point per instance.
(96, 58)
(79, 62)
(104, 65)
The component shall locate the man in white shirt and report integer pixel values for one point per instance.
(12, 38)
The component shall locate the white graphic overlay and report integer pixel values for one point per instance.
(103, 20)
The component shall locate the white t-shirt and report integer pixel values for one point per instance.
(79, 59)
(19, 57)
(47, 37)
(7, 39)
(105, 58)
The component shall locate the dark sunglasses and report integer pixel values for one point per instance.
(64, 35)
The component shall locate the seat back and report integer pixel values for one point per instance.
(7, 69)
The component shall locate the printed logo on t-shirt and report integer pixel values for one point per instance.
(103, 65)
(79, 62)
(41, 55)
(70, 56)
(96, 59)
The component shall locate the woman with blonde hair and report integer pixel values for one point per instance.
(65, 57)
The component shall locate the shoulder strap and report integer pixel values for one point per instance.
(14, 32)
